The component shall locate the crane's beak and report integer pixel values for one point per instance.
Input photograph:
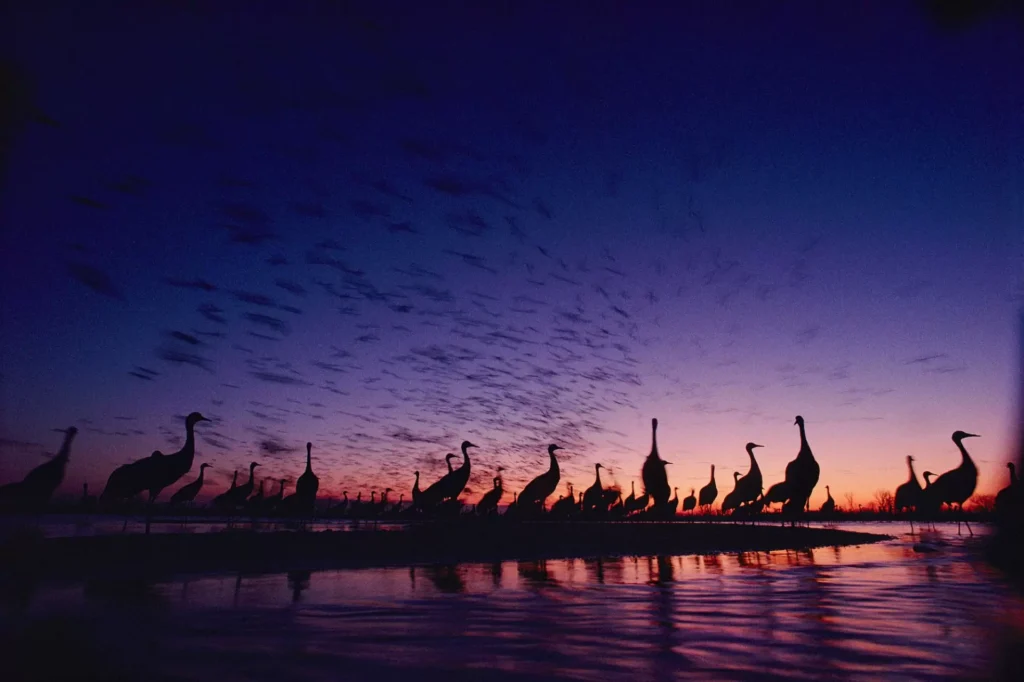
(757, 446)
(971, 435)
(665, 462)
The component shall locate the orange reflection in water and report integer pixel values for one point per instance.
(912, 607)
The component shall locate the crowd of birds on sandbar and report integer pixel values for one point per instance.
(748, 498)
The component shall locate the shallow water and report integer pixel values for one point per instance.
(886, 610)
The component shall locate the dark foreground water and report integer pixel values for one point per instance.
(897, 610)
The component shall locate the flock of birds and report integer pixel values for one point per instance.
(153, 474)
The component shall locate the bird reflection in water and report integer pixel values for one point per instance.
(298, 582)
(446, 579)
(535, 574)
(496, 574)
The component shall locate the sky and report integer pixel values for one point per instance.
(386, 229)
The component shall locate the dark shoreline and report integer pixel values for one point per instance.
(467, 541)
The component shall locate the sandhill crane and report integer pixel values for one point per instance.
(708, 493)
(1008, 498)
(303, 500)
(690, 502)
(435, 492)
(340, 508)
(254, 504)
(221, 501)
(187, 493)
(829, 505)
(36, 489)
(908, 494)
(565, 505)
(673, 504)
(751, 484)
(653, 472)
(488, 504)
(801, 474)
(238, 495)
(732, 499)
(630, 504)
(957, 485)
(460, 477)
(154, 473)
(540, 488)
(88, 502)
(593, 497)
(272, 502)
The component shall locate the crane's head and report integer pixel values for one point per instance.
(194, 419)
(960, 435)
(1011, 466)
(799, 421)
(500, 469)
(927, 475)
(654, 424)
(204, 465)
(416, 473)
(309, 446)
(910, 459)
(253, 465)
(598, 466)
(389, 490)
(449, 456)
(751, 446)
(70, 432)
(466, 444)
(552, 448)
(735, 475)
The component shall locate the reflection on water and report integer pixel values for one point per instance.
(873, 611)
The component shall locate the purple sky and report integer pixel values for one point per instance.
(386, 232)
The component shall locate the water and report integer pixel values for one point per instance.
(887, 610)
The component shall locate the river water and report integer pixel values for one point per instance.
(915, 607)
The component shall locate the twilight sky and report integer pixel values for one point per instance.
(389, 230)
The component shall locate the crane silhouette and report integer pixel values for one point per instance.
(653, 472)
(537, 491)
(457, 480)
(221, 501)
(565, 506)
(630, 504)
(1008, 498)
(36, 489)
(673, 504)
(957, 485)
(303, 501)
(732, 499)
(908, 494)
(488, 504)
(254, 505)
(593, 497)
(187, 493)
(708, 493)
(154, 473)
(271, 503)
(801, 475)
(689, 502)
(829, 505)
(750, 486)
(237, 496)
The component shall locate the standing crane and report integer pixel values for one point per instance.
(36, 489)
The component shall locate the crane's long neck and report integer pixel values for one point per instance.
(654, 441)
(188, 452)
(597, 481)
(966, 458)
(712, 473)
(1013, 474)
(805, 449)
(753, 462)
(202, 472)
(465, 457)
(251, 471)
(553, 468)
(416, 484)
(309, 460)
(65, 447)
(910, 466)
